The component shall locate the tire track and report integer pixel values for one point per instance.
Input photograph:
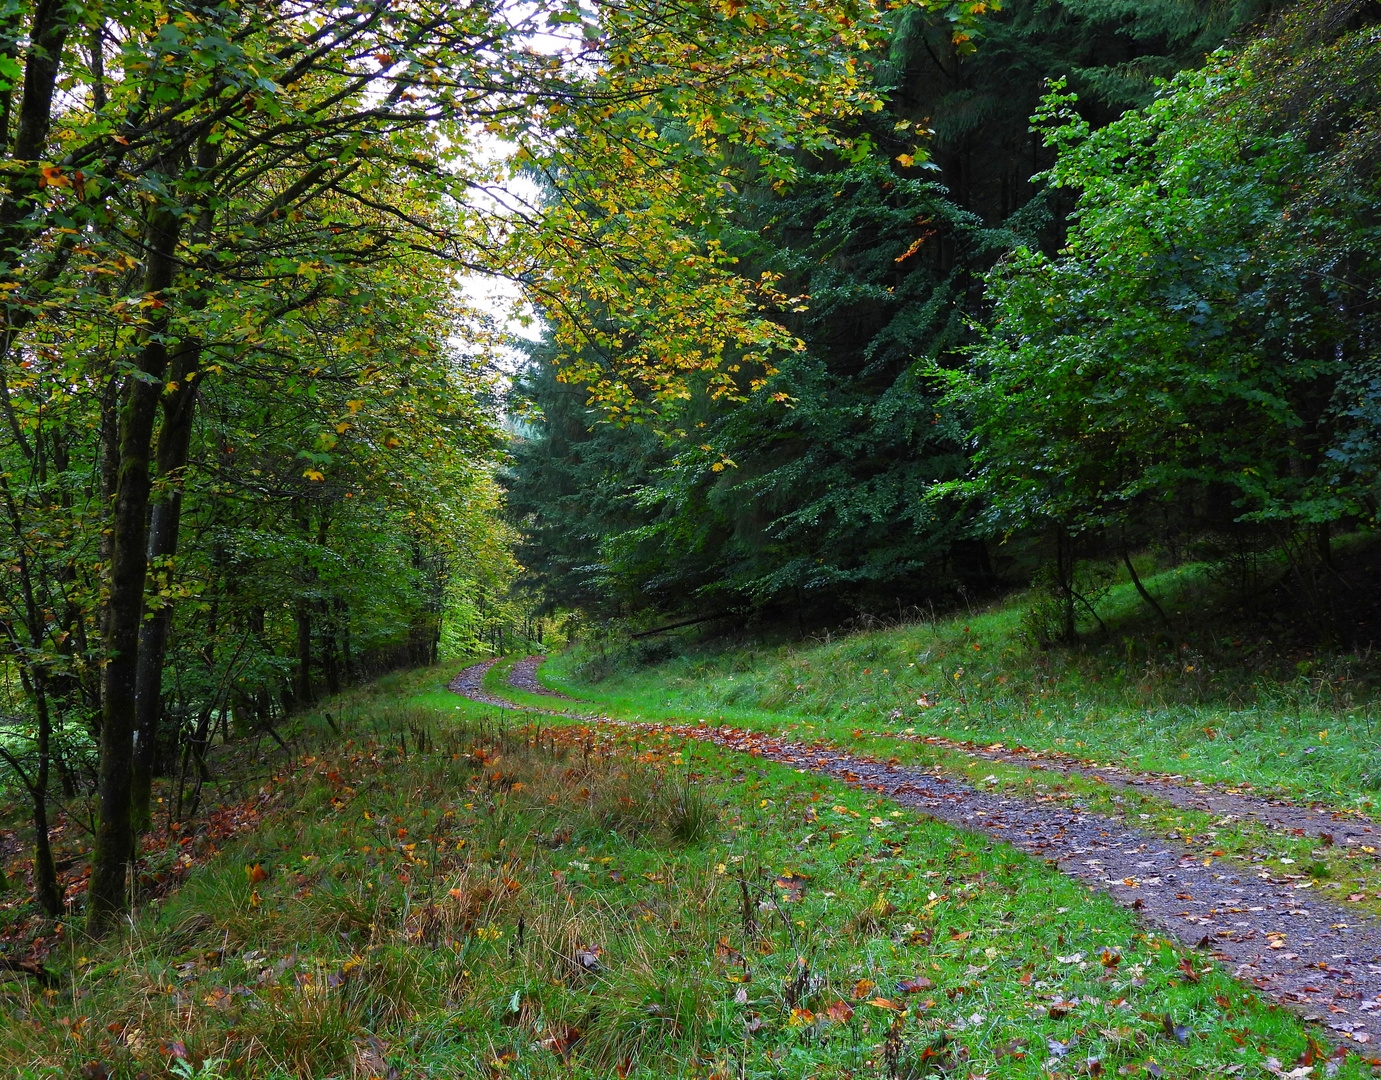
(1307, 953)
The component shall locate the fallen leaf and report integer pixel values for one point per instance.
(794, 886)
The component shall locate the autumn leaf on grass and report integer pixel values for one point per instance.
(1187, 970)
(561, 1040)
(1110, 959)
(916, 985)
(793, 884)
(841, 1012)
(884, 1003)
(1058, 1010)
(1178, 1032)
(1013, 1048)
(256, 874)
(801, 1018)
(863, 988)
(725, 951)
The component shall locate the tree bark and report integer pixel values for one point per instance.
(174, 442)
(179, 403)
(46, 891)
(1064, 576)
(124, 605)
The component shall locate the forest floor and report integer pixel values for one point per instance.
(1302, 939)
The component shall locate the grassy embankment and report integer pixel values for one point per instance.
(438, 894)
(1215, 709)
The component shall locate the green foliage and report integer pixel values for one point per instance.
(1202, 337)
(816, 495)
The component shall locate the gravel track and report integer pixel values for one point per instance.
(1279, 933)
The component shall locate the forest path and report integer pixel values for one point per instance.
(1305, 951)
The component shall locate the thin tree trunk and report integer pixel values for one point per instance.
(1064, 574)
(1140, 588)
(179, 402)
(124, 604)
(46, 891)
(174, 442)
(302, 617)
(34, 680)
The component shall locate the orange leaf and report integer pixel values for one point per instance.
(256, 874)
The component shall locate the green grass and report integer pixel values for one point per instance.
(448, 893)
(1202, 709)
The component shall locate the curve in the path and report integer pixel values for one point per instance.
(523, 676)
(1306, 952)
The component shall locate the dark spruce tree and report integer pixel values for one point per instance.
(823, 509)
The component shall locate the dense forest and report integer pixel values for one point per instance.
(1120, 300)
(250, 422)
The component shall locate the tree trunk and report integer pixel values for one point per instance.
(124, 605)
(46, 891)
(302, 688)
(1140, 588)
(1064, 576)
(174, 442)
(179, 403)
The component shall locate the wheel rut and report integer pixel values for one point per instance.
(1280, 935)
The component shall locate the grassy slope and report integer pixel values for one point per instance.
(433, 899)
(1199, 709)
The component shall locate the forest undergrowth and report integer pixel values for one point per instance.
(445, 890)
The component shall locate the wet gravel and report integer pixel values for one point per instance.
(1343, 827)
(1283, 934)
(523, 676)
